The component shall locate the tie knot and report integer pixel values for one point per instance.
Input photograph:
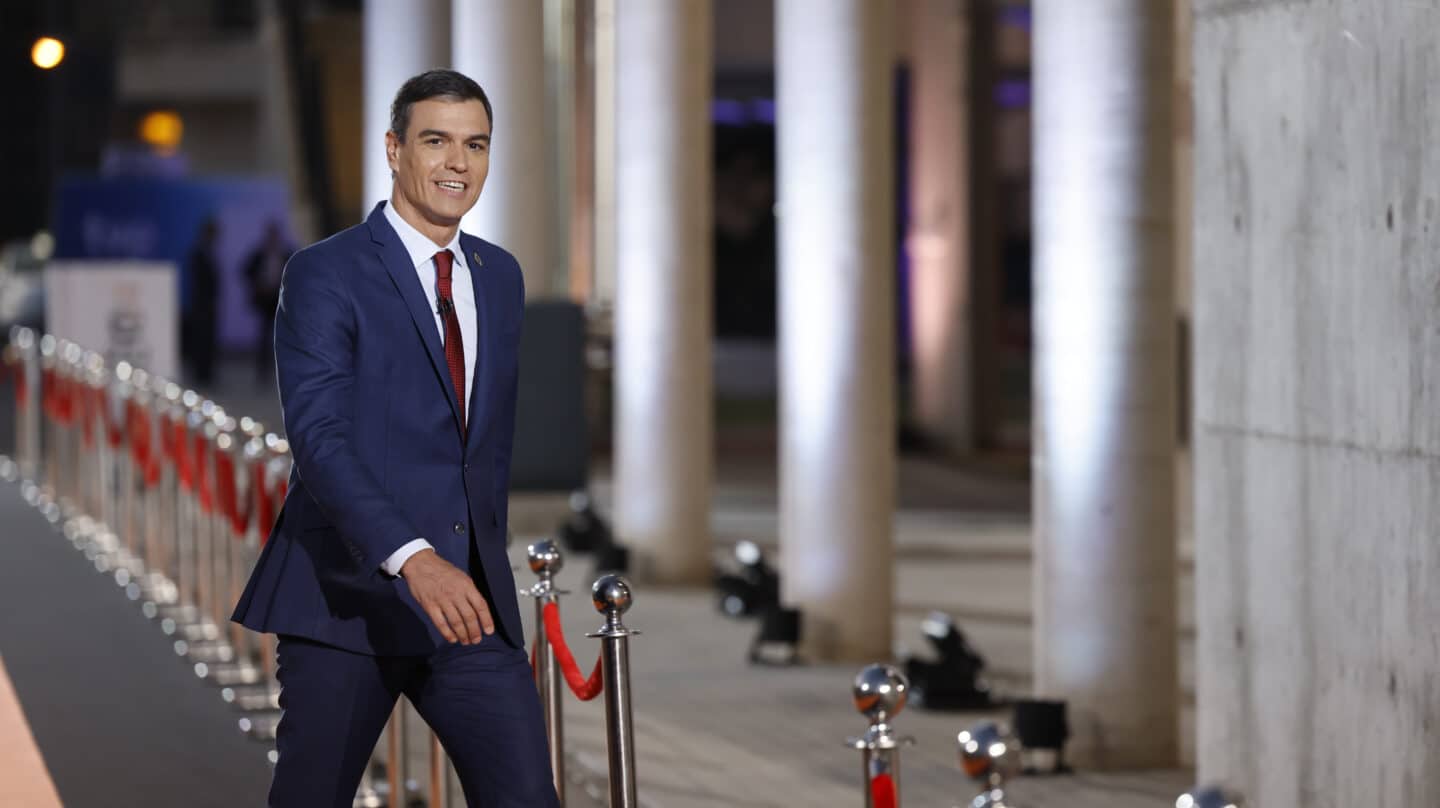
(443, 264)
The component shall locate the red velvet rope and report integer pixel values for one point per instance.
(882, 791)
(584, 689)
(225, 486)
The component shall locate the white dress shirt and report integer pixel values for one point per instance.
(422, 256)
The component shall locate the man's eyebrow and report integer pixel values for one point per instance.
(436, 132)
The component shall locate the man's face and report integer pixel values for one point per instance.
(442, 164)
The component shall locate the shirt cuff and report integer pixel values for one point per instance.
(398, 558)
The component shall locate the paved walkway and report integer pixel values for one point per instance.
(715, 731)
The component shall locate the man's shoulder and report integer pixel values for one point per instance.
(487, 256)
(342, 244)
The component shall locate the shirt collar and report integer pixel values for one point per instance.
(420, 247)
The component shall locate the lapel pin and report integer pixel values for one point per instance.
(476, 256)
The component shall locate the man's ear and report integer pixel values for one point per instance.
(392, 149)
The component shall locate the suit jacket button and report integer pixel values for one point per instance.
(459, 527)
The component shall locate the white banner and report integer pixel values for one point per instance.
(126, 310)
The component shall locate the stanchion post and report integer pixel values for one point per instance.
(187, 421)
(92, 391)
(612, 597)
(439, 774)
(395, 757)
(880, 692)
(11, 468)
(27, 411)
(169, 418)
(546, 561)
(46, 476)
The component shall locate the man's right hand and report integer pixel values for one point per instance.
(449, 596)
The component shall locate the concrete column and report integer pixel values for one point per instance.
(663, 418)
(501, 45)
(402, 38)
(834, 62)
(602, 282)
(938, 240)
(561, 106)
(1105, 424)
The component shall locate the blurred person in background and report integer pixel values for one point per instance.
(198, 329)
(262, 275)
(397, 352)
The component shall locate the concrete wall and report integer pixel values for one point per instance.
(1318, 400)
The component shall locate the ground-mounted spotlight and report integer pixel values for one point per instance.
(585, 531)
(612, 558)
(1210, 796)
(952, 681)
(778, 641)
(752, 588)
(1043, 729)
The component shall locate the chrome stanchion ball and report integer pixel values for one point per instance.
(880, 692)
(1210, 796)
(611, 595)
(979, 747)
(545, 558)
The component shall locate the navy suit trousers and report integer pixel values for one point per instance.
(479, 699)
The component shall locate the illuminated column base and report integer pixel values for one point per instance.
(402, 38)
(1105, 381)
(834, 61)
(502, 46)
(663, 420)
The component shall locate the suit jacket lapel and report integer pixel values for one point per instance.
(485, 325)
(402, 274)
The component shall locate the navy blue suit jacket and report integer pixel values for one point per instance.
(374, 428)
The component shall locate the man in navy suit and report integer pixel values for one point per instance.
(386, 574)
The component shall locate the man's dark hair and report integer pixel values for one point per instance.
(446, 84)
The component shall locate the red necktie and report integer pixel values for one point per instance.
(454, 347)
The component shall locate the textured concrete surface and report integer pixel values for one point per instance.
(1317, 387)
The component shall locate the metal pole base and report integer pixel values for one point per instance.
(209, 652)
(253, 697)
(261, 726)
(202, 631)
(230, 674)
